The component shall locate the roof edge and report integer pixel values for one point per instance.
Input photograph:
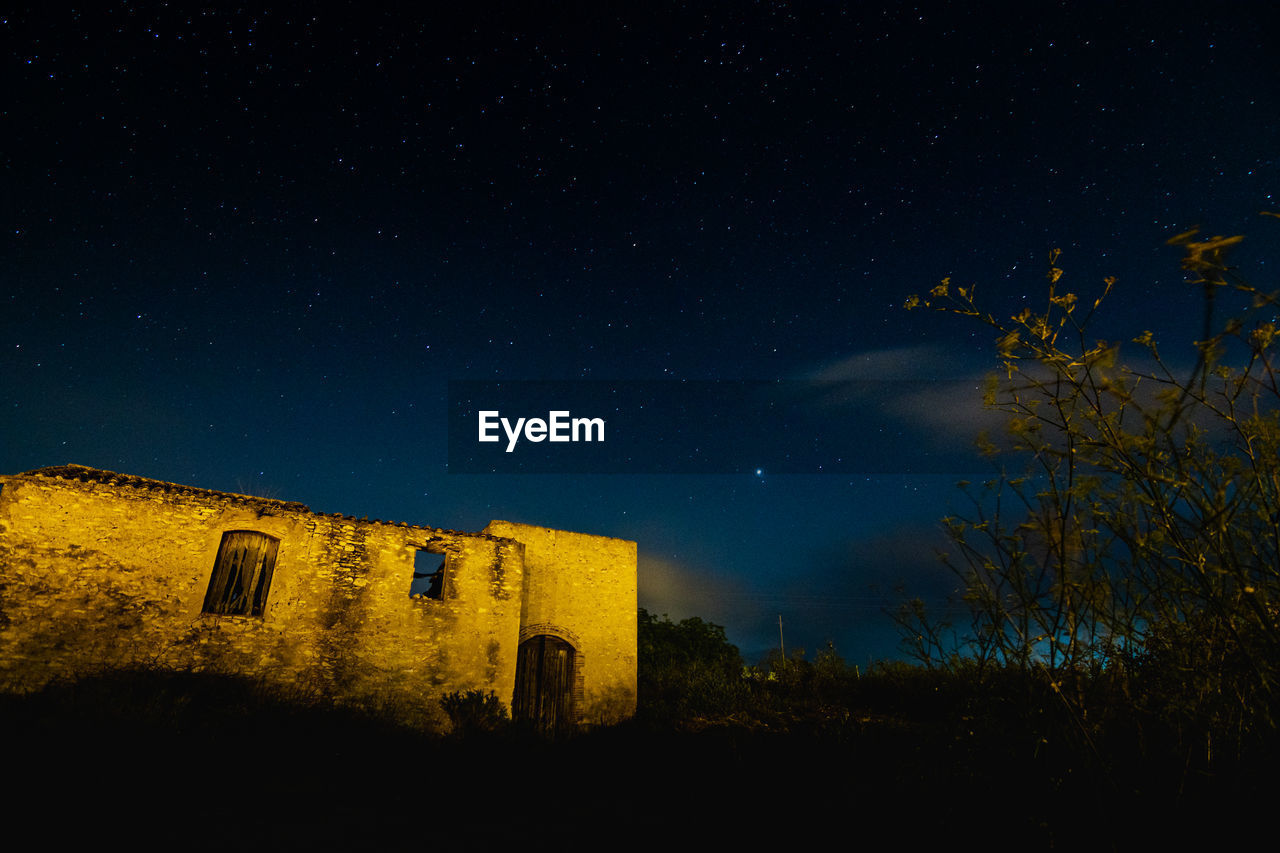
(86, 474)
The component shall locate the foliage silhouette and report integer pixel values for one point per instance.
(1125, 555)
(475, 712)
(687, 669)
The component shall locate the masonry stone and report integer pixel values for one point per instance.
(102, 571)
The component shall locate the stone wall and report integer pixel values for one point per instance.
(582, 589)
(99, 571)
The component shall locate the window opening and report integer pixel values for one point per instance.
(241, 577)
(428, 574)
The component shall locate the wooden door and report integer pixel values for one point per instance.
(544, 684)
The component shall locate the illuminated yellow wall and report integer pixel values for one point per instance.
(582, 588)
(101, 570)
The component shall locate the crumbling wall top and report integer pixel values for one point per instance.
(86, 474)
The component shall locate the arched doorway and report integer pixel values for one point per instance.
(544, 683)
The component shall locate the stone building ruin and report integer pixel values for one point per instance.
(103, 571)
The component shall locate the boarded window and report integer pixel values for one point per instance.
(544, 684)
(429, 574)
(242, 576)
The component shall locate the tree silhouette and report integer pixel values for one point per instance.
(1127, 548)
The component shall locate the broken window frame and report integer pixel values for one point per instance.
(241, 577)
(434, 592)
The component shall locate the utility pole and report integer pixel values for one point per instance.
(781, 643)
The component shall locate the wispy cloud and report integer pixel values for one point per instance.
(923, 388)
(921, 361)
(680, 591)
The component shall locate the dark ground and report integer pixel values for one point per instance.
(159, 760)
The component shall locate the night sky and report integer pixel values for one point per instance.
(246, 248)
